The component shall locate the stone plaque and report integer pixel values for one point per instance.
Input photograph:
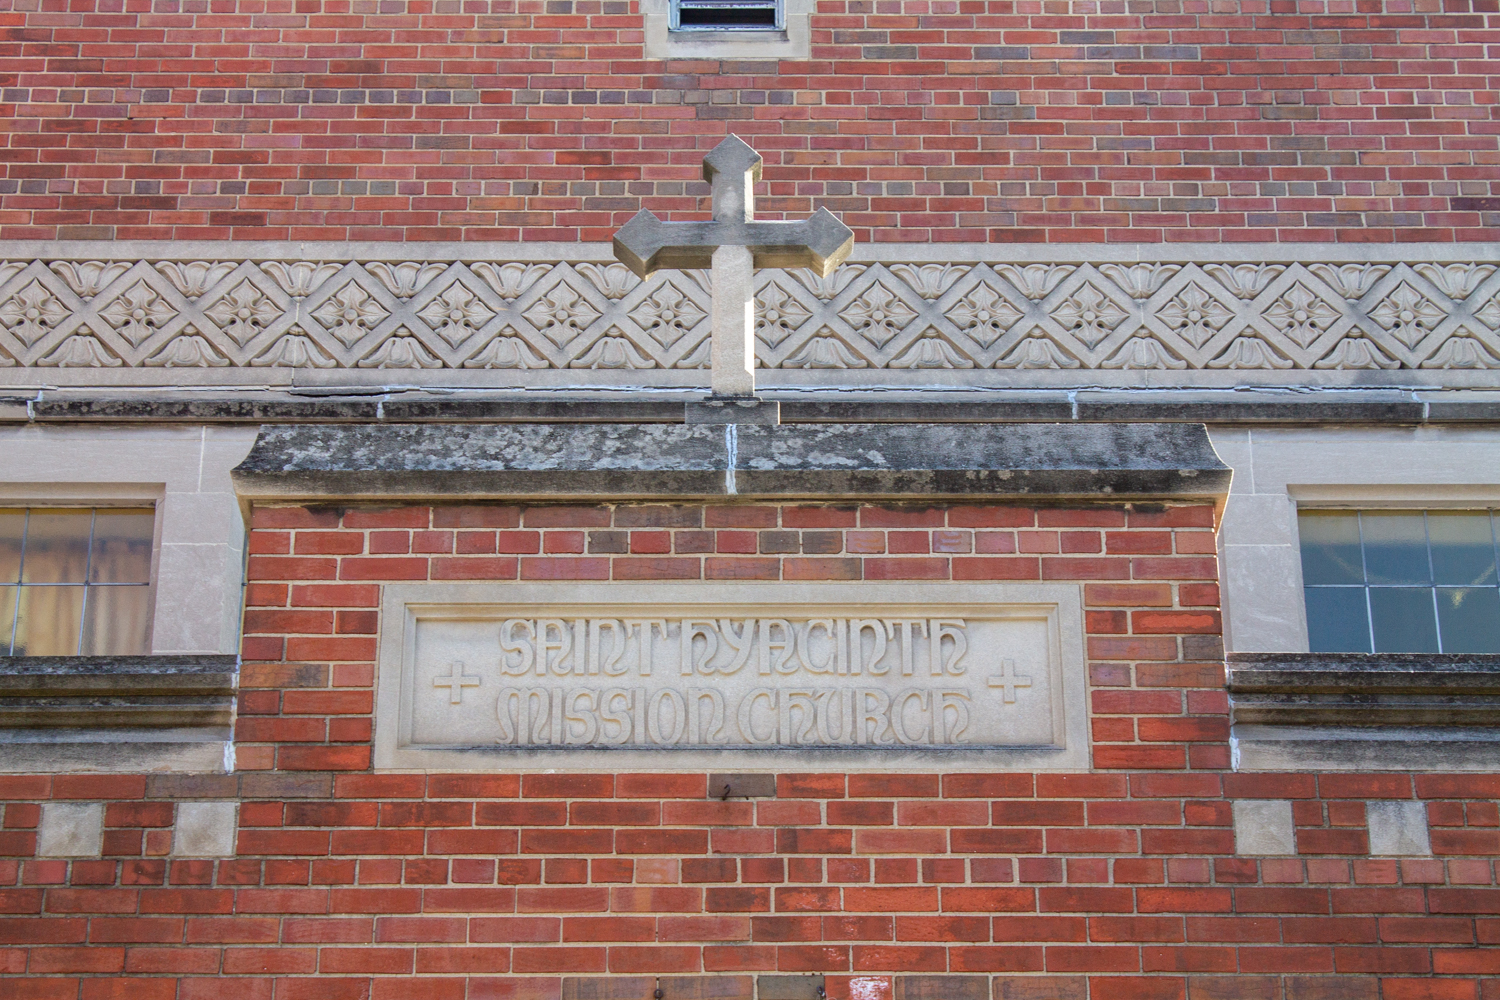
(704, 675)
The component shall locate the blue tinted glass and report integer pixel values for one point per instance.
(1337, 621)
(1395, 547)
(1330, 547)
(1403, 620)
(1463, 553)
(1469, 618)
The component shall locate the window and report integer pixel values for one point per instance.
(1400, 581)
(727, 29)
(75, 580)
(726, 15)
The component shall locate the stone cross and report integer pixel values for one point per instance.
(733, 245)
(1008, 681)
(456, 681)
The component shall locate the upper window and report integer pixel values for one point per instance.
(1401, 581)
(75, 580)
(727, 29)
(726, 15)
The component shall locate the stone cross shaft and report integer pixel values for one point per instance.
(733, 245)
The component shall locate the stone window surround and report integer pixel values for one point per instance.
(197, 563)
(1259, 546)
(791, 41)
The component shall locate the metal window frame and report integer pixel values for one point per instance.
(779, 6)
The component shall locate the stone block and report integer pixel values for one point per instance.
(788, 987)
(1398, 828)
(1264, 826)
(71, 830)
(205, 829)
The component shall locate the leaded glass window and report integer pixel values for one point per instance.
(75, 580)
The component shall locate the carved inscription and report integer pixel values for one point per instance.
(680, 679)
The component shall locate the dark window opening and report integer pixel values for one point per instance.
(726, 15)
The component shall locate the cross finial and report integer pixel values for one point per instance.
(733, 245)
(731, 169)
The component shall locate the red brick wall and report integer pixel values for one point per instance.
(916, 120)
(1117, 883)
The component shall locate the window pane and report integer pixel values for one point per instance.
(122, 546)
(114, 623)
(57, 546)
(1404, 621)
(1330, 547)
(1337, 620)
(1462, 550)
(12, 524)
(1395, 547)
(47, 623)
(1469, 618)
(7, 617)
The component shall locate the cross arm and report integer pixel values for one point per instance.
(646, 243)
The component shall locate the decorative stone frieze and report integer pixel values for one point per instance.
(1260, 311)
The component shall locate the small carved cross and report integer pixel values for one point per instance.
(1008, 681)
(456, 681)
(733, 245)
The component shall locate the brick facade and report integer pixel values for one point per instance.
(1121, 882)
(915, 120)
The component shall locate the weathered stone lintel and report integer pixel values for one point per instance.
(581, 461)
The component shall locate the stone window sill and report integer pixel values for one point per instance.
(117, 713)
(1358, 711)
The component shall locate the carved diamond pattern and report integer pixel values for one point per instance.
(1301, 315)
(1489, 313)
(138, 312)
(31, 313)
(879, 314)
(1195, 315)
(561, 314)
(243, 312)
(667, 313)
(456, 313)
(350, 313)
(778, 313)
(984, 315)
(1089, 315)
(1407, 314)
